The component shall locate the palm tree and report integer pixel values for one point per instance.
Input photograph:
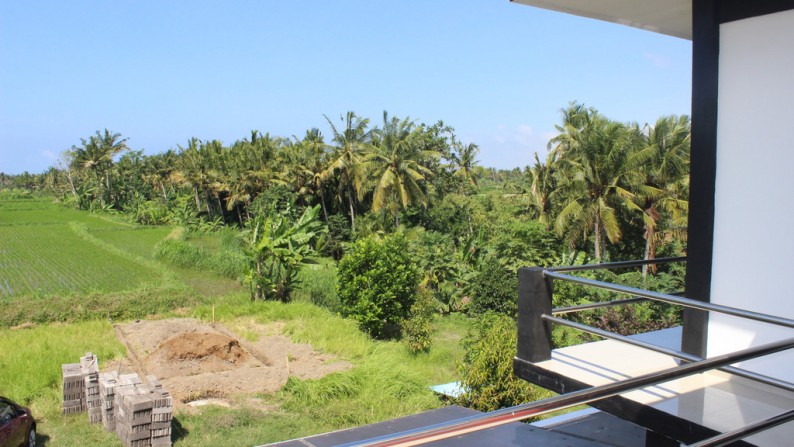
(192, 167)
(96, 155)
(395, 165)
(664, 162)
(543, 185)
(592, 153)
(463, 159)
(351, 143)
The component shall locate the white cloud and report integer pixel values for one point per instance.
(49, 155)
(658, 60)
(524, 135)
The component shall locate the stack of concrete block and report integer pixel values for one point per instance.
(73, 388)
(143, 415)
(134, 421)
(109, 384)
(161, 414)
(89, 367)
(139, 414)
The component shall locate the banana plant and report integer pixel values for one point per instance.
(276, 248)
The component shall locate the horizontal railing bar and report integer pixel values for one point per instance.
(788, 386)
(743, 432)
(590, 306)
(496, 418)
(686, 302)
(616, 265)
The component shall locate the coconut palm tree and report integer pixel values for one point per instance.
(96, 155)
(351, 143)
(464, 160)
(394, 164)
(664, 162)
(594, 176)
(543, 186)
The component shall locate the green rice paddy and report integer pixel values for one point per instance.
(49, 249)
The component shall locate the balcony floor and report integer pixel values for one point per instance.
(692, 407)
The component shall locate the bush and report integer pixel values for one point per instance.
(520, 244)
(494, 288)
(338, 234)
(487, 367)
(377, 284)
(416, 327)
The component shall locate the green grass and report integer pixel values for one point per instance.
(386, 381)
(36, 373)
(77, 307)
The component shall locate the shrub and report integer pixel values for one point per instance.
(338, 234)
(520, 244)
(416, 328)
(377, 284)
(494, 288)
(487, 367)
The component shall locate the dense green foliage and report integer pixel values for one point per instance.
(487, 366)
(377, 284)
(494, 288)
(417, 326)
(276, 247)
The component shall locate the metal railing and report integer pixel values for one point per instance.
(534, 320)
(504, 416)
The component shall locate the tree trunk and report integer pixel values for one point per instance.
(99, 187)
(650, 251)
(597, 239)
(239, 216)
(71, 182)
(107, 179)
(352, 211)
(165, 195)
(198, 203)
(322, 202)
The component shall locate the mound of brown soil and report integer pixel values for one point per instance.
(198, 346)
(193, 359)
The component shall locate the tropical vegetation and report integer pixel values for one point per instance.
(385, 238)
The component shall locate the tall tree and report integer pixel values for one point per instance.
(592, 152)
(351, 143)
(464, 160)
(96, 155)
(664, 162)
(395, 165)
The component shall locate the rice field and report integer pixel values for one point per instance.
(49, 249)
(137, 241)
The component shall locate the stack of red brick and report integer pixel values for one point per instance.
(140, 414)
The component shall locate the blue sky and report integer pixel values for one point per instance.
(160, 72)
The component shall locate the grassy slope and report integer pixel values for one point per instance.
(385, 382)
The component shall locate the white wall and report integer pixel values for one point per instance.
(753, 265)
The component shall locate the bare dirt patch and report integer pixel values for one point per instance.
(196, 360)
